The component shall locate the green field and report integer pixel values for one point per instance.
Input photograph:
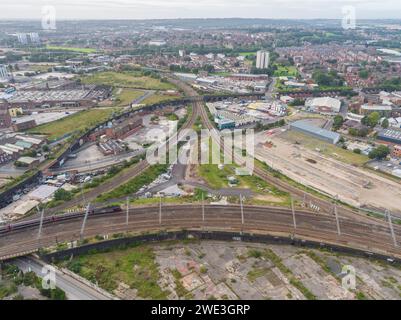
(286, 71)
(132, 80)
(217, 179)
(135, 267)
(326, 148)
(76, 122)
(244, 54)
(159, 97)
(126, 96)
(82, 50)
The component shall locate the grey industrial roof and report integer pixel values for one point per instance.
(303, 125)
(390, 133)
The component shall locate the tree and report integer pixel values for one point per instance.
(338, 122)
(364, 74)
(385, 123)
(379, 153)
(371, 120)
(62, 195)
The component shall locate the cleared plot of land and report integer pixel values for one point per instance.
(326, 149)
(74, 123)
(73, 49)
(264, 192)
(133, 80)
(339, 175)
(132, 268)
(229, 271)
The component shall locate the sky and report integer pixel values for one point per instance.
(169, 9)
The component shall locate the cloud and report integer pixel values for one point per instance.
(148, 9)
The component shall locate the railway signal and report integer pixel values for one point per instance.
(84, 222)
(293, 212)
(390, 223)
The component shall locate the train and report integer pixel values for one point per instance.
(56, 218)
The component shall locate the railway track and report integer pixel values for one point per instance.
(326, 206)
(131, 172)
(257, 220)
(357, 231)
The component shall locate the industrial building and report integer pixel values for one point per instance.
(384, 110)
(391, 135)
(326, 105)
(316, 132)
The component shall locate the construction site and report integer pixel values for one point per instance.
(330, 171)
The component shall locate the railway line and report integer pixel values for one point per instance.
(257, 220)
(358, 231)
(326, 206)
(131, 172)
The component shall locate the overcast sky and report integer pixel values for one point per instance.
(159, 9)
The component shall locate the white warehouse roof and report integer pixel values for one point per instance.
(332, 103)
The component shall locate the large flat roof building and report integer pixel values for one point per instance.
(316, 132)
(323, 105)
(390, 135)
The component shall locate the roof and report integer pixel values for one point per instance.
(23, 144)
(303, 125)
(27, 160)
(390, 134)
(376, 107)
(324, 101)
(42, 192)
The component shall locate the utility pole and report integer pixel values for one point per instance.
(84, 222)
(390, 223)
(127, 217)
(242, 209)
(337, 220)
(160, 210)
(42, 213)
(203, 209)
(293, 212)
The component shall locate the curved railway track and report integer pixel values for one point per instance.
(357, 231)
(129, 174)
(257, 220)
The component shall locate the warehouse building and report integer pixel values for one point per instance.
(326, 105)
(316, 132)
(390, 135)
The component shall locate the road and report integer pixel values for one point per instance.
(128, 174)
(74, 289)
(256, 220)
